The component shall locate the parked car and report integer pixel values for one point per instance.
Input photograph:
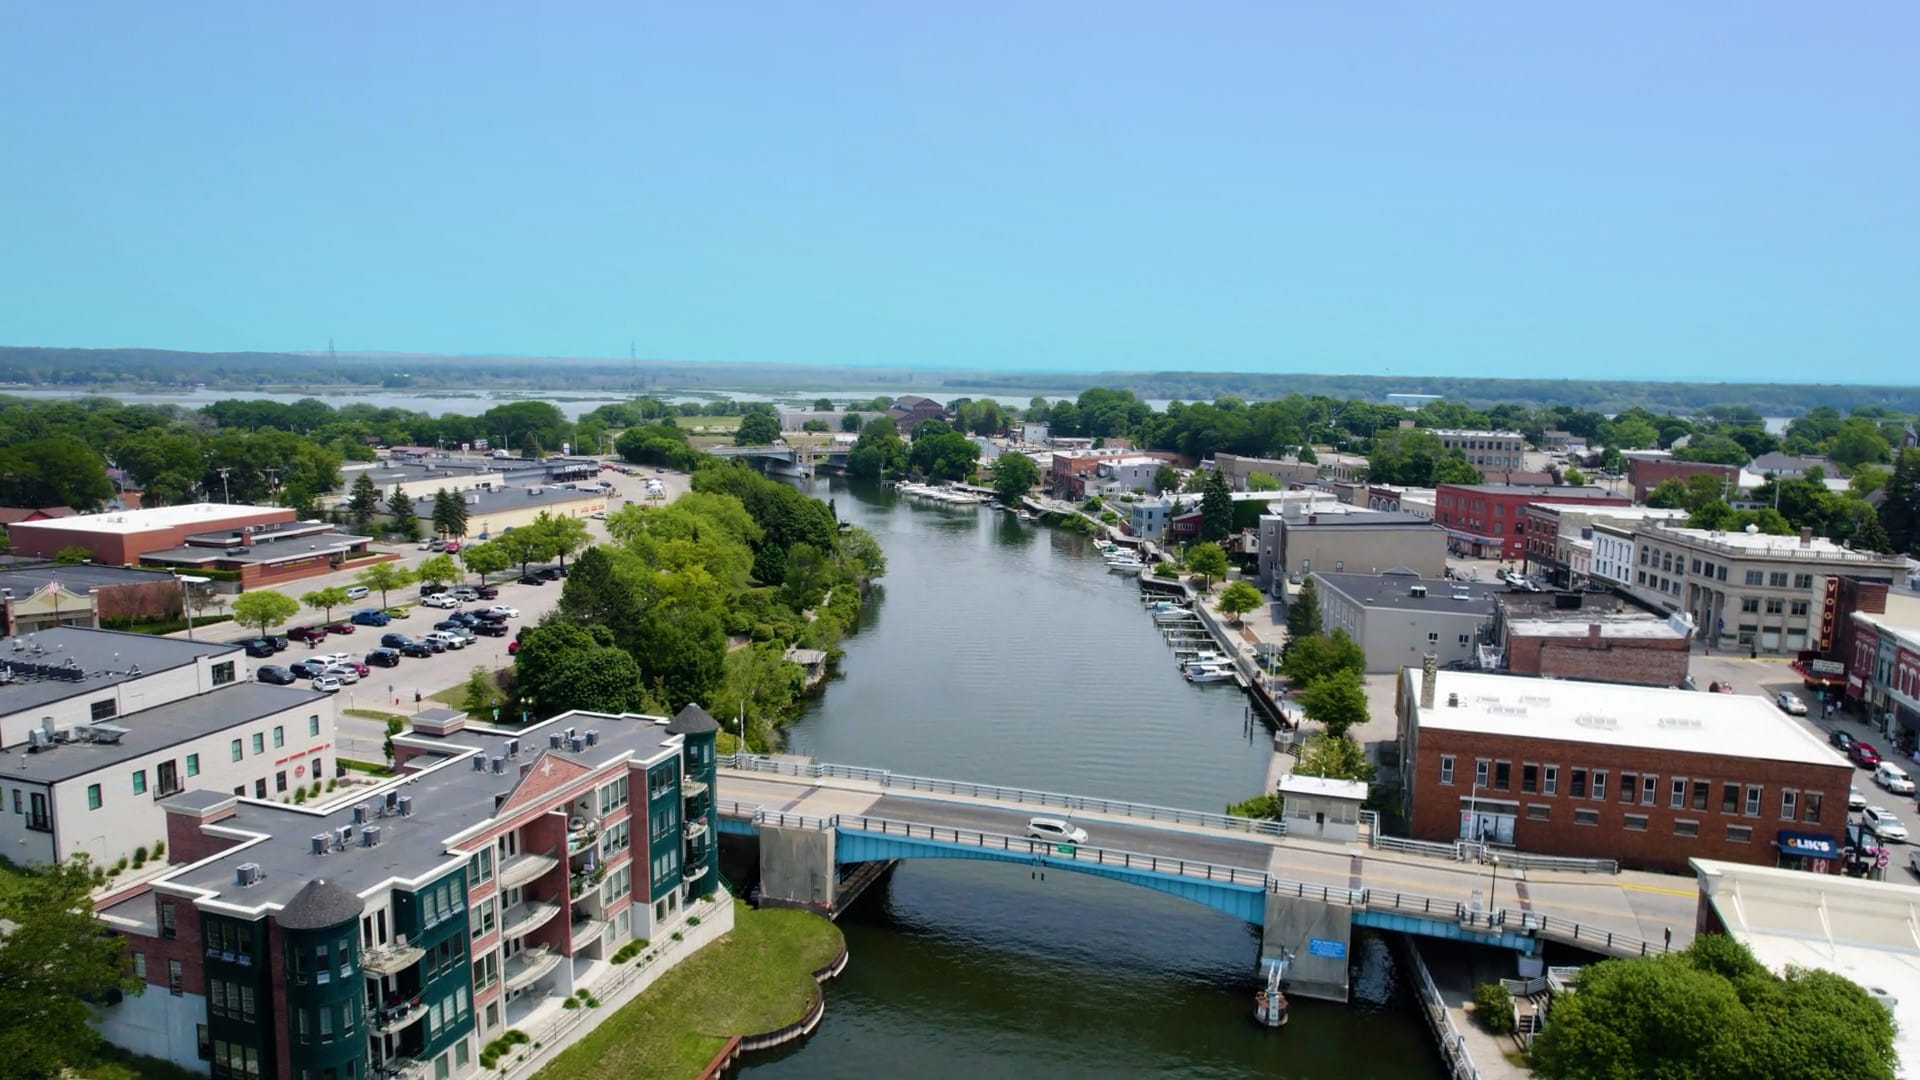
(307, 669)
(340, 628)
(513, 646)
(416, 648)
(440, 600)
(257, 648)
(394, 641)
(464, 618)
(357, 592)
(371, 617)
(437, 544)
(359, 668)
(433, 588)
(426, 545)
(1840, 739)
(446, 640)
(1056, 830)
(490, 629)
(1893, 778)
(330, 683)
(453, 547)
(1790, 704)
(308, 634)
(486, 592)
(1880, 822)
(551, 573)
(344, 672)
(1856, 799)
(384, 657)
(1863, 754)
(273, 673)
(503, 611)
(533, 579)
(466, 594)
(279, 642)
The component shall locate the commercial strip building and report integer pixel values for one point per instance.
(261, 556)
(1651, 777)
(124, 537)
(1648, 469)
(40, 595)
(1486, 521)
(1881, 652)
(397, 929)
(1290, 472)
(1751, 592)
(102, 727)
(1305, 536)
(1560, 537)
(491, 511)
(1595, 636)
(1398, 617)
(1861, 930)
(1488, 451)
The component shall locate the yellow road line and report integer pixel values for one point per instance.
(1657, 889)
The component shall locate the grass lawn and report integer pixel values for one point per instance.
(757, 978)
(374, 714)
(117, 1064)
(11, 879)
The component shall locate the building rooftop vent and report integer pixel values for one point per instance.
(1684, 723)
(321, 841)
(247, 874)
(370, 836)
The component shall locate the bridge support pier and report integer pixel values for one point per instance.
(1317, 935)
(797, 867)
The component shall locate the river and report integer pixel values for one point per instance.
(1006, 653)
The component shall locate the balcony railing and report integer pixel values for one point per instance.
(527, 866)
(587, 931)
(399, 1016)
(692, 789)
(580, 839)
(524, 918)
(693, 872)
(696, 830)
(525, 967)
(391, 959)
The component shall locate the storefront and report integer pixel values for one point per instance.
(1815, 853)
(1488, 821)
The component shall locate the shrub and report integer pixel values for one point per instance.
(693, 920)
(1493, 1004)
(677, 937)
(139, 854)
(159, 848)
(316, 788)
(300, 795)
(331, 784)
(569, 1004)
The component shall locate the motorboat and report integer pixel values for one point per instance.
(1205, 659)
(1201, 673)
(1125, 566)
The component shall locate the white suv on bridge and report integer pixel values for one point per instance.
(1055, 830)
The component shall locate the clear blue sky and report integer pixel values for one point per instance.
(1649, 190)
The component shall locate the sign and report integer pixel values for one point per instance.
(1333, 950)
(1827, 667)
(1063, 849)
(1828, 613)
(1882, 860)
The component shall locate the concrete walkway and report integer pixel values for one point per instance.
(1456, 972)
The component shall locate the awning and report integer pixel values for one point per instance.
(1821, 672)
(1808, 845)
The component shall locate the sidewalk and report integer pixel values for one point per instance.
(1456, 972)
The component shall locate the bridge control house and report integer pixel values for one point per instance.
(1649, 776)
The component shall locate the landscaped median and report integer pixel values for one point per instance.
(758, 979)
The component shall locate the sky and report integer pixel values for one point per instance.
(1622, 190)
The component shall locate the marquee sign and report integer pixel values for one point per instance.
(1828, 613)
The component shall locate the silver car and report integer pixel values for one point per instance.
(1880, 822)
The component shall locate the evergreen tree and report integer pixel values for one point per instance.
(363, 503)
(1899, 516)
(1303, 615)
(400, 508)
(443, 502)
(1872, 536)
(1216, 508)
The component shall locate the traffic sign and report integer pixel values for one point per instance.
(1064, 849)
(1881, 860)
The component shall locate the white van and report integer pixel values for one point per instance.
(356, 592)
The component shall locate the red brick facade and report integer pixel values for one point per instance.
(1642, 661)
(1646, 475)
(1486, 520)
(44, 540)
(1546, 823)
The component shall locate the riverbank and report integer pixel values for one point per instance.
(757, 979)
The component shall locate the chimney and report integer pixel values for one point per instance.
(1593, 634)
(1429, 677)
(1806, 536)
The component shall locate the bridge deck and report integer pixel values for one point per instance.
(1634, 905)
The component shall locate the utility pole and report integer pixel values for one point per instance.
(225, 489)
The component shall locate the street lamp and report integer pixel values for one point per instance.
(187, 581)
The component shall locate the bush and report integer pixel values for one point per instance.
(299, 795)
(693, 920)
(677, 936)
(569, 1004)
(139, 854)
(159, 848)
(1493, 1004)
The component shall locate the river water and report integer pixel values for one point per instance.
(1006, 653)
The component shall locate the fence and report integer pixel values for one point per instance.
(1131, 860)
(1472, 851)
(1591, 937)
(1453, 1045)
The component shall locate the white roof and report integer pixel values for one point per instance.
(1867, 931)
(209, 515)
(1477, 432)
(1765, 544)
(1295, 784)
(1610, 627)
(1681, 721)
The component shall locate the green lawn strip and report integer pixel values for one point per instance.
(113, 1063)
(756, 979)
(373, 714)
(455, 695)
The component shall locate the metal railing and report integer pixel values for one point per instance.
(1590, 937)
(1453, 1045)
(1452, 852)
(1131, 860)
(1525, 861)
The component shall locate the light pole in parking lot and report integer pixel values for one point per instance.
(187, 583)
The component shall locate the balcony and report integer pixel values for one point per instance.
(525, 967)
(587, 931)
(582, 834)
(527, 866)
(693, 872)
(586, 880)
(400, 1068)
(398, 1016)
(696, 831)
(524, 918)
(391, 959)
(692, 789)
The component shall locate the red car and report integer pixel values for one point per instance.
(453, 547)
(339, 628)
(1864, 755)
(513, 646)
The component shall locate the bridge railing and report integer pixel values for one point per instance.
(1559, 862)
(1596, 938)
(1413, 904)
(1131, 860)
(1022, 796)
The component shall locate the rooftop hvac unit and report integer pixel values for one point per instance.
(499, 764)
(570, 733)
(405, 806)
(576, 745)
(1453, 701)
(393, 801)
(35, 740)
(247, 874)
(593, 737)
(342, 836)
(321, 842)
(360, 814)
(555, 740)
(370, 836)
(513, 747)
(479, 763)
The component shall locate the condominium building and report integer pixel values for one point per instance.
(1488, 451)
(398, 928)
(1486, 521)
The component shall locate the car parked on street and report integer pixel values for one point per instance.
(446, 640)
(533, 579)
(346, 673)
(394, 640)
(466, 594)
(1893, 778)
(487, 592)
(416, 649)
(1790, 704)
(339, 628)
(1840, 740)
(1863, 754)
(274, 674)
(496, 628)
(371, 617)
(1856, 799)
(307, 669)
(330, 683)
(433, 588)
(1882, 823)
(501, 611)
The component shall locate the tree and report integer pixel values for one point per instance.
(563, 535)
(483, 559)
(166, 464)
(60, 470)
(263, 609)
(437, 570)
(1334, 757)
(526, 545)
(400, 508)
(481, 696)
(383, 577)
(1337, 702)
(1455, 470)
(1575, 478)
(1206, 560)
(1216, 508)
(363, 503)
(562, 666)
(1715, 448)
(54, 961)
(1013, 476)
(449, 513)
(878, 452)
(326, 599)
(1264, 807)
(1317, 656)
(1900, 514)
(1259, 481)
(940, 453)
(757, 429)
(395, 725)
(850, 423)
(73, 555)
(1872, 536)
(1238, 598)
(1303, 614)
(822, 405)
(1166, 478)
(814, 426)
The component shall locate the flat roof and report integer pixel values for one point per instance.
(1765, 544)
(104, 658)
(1355, 517)
(1297, 784)
(76, 577)
(158, 517)
(1681, 721)
(1392, 590)
(484, 502)
(1478, 433)
(1866, 931)
(1637, 625)
(448, 798)
(262, 550)
(1543, 491)
(162, 726)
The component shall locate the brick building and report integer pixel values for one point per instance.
(261, 556)
(1486, 520)
(1560, 537)
(1647, 473)
(122, 537)
(1651, 777)
(1882, 657)
(1593, 636)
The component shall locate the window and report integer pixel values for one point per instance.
(1503, 775)
(1550, 780)
(480, 868)
(1446, 768)
(1810, 807)
(1729, 798)
(176, 979)
(1678, 797)
(1750, 605)
(1649, 784)
(1628, 782)
(1699, 795)
(193, 764)
(1740, 834)
(140, 966)
(613, 796)
(259, 743)
(236, 749)
(222, 673)
(1803, 581)
(279, 736)
(486, 970)
(1755, 577)
(483, 919)
(1776, 607)
(1777, 579)
(167, 925)
(1577, 784)
(1789, 804)
(1538, 811)
(1686, 828)
(1529, 779)
(1480, 770)
(104, 710)
(313, 725)
(93, 796)
(1753, 800)
(1586, 817)
(1599, 783)
(280, 781)
(1798, 607)
(260, 785)
(139, 781)
(1636, 822)
(1720, 573)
